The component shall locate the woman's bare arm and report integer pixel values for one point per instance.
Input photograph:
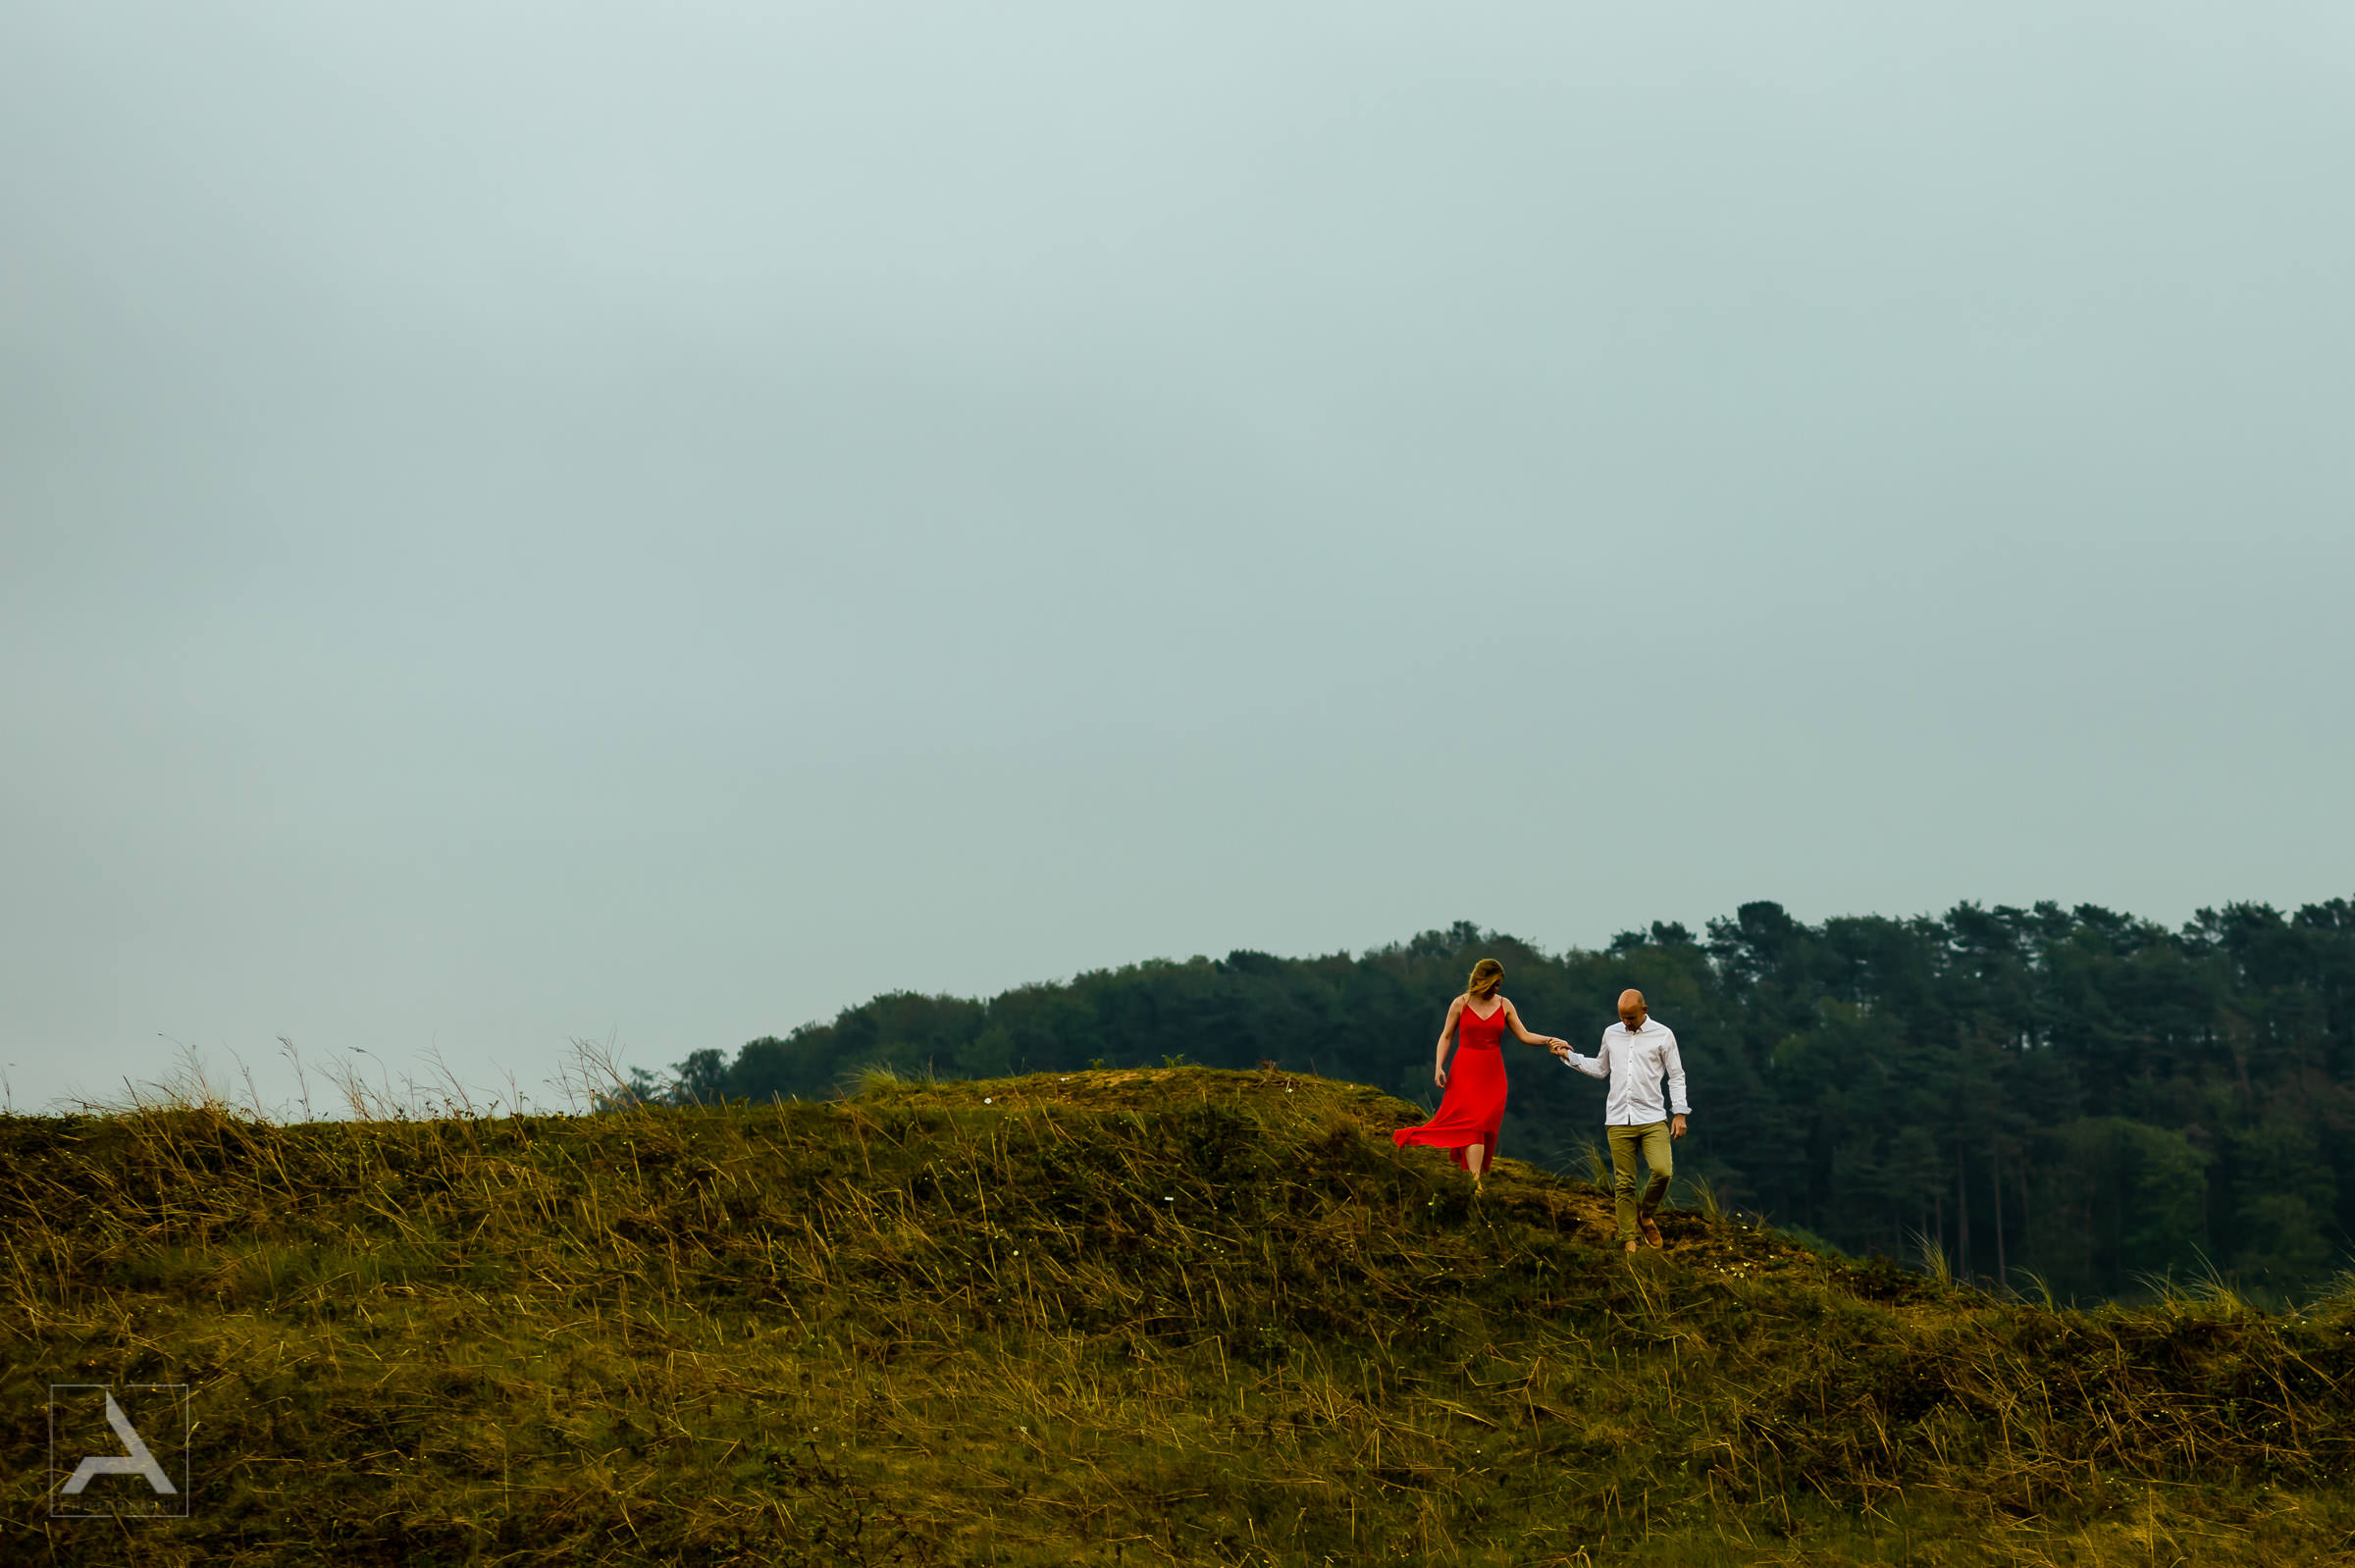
(1439, 1063)
(1513, 1017)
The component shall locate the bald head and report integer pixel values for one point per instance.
(1632, 1008)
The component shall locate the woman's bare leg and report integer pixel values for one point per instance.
(1476, 1160)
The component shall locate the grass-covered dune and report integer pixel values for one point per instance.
(1127, 1317)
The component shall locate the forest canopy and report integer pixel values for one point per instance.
(2072, 1098)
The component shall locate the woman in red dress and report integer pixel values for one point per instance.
(1472, 1098)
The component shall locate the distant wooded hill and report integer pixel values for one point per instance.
(2074, 1094)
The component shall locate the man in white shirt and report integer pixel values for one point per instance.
(1636, 1054)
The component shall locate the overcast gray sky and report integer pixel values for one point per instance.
(656, 522)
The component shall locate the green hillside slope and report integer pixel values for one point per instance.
(1114, 1317)
(2086, 1095)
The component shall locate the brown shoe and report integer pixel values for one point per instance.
(1652, 1233)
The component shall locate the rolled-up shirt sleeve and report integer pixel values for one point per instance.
(1597, 1067)
(1674, 1063)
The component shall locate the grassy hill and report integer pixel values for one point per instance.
(1114, 1317)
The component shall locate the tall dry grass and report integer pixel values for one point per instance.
(1170, 1316)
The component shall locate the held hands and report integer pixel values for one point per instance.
(1561, 1049)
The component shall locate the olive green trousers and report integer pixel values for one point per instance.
(1652, 1138)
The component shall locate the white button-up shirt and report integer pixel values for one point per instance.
(1635, 1062)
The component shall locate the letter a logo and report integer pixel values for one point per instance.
(76, 1438)
(137, 1462)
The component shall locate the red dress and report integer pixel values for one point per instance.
(1473, 1105)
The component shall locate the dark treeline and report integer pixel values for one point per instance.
(2073, 1094)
